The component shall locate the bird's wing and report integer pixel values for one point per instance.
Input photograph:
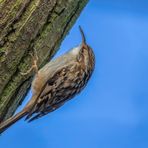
(58, 89)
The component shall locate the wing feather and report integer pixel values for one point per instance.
(57, 91)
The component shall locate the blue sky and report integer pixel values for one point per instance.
(112, 111)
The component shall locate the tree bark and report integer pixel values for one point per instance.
(26, 25)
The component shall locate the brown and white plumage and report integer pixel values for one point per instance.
(57, 82)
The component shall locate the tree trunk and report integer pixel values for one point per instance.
(26, 25)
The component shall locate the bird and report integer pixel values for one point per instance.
(56, 82)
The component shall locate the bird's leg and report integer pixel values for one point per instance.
(34, 63)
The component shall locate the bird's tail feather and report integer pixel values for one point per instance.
(6, 124)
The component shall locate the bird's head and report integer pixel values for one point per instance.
(84, 54)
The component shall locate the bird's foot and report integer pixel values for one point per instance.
(34, 63)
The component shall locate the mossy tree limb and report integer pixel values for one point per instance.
(26, 25)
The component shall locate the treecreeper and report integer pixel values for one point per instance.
(56, 83)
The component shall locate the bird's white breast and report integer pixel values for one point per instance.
(76, 50)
